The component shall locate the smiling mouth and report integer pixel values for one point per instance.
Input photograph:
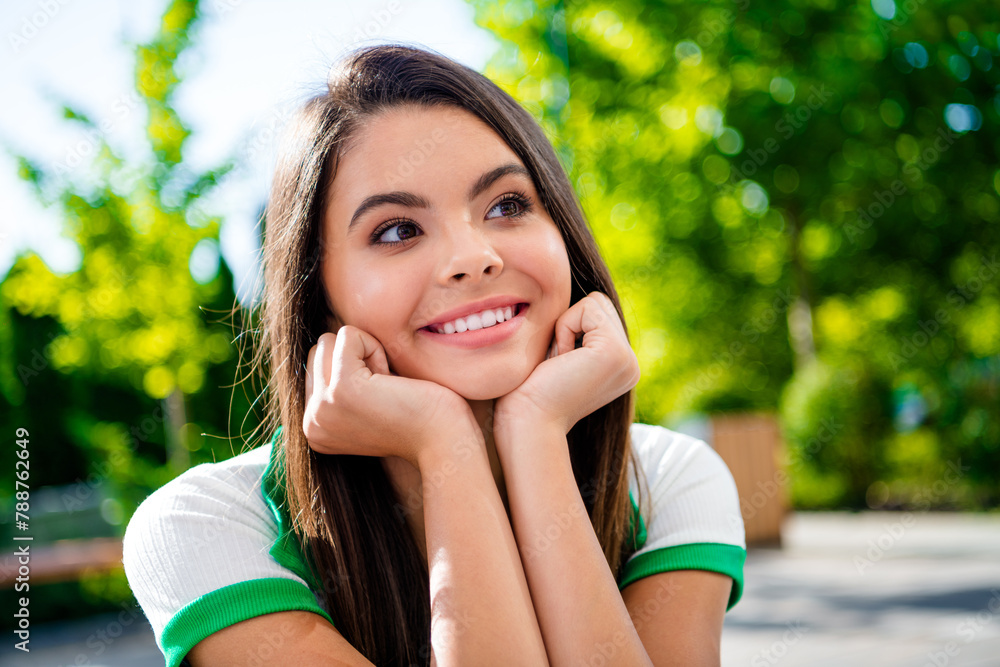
(482, 320)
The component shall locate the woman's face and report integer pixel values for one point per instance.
(426, 224)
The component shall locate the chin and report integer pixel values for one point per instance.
(492, 381)
(487, 388)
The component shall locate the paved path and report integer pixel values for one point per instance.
(878, 589)
(857, 590)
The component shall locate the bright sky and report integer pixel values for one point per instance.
(252, 60)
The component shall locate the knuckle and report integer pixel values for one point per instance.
(308, 426)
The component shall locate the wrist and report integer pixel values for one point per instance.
(513, 419)
(451, 449)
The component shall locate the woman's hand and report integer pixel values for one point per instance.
(355, 405)
(572, 383)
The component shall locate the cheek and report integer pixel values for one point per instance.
(549, 254)
(354, 291)
(381, 303)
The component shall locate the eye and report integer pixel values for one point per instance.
(395, 232)
(512, 205)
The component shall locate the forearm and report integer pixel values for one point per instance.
(580, 609)
(481, 610)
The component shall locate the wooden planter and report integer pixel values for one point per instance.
(751, 446)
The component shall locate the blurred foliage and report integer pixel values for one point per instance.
(121, 370)
(799, 202)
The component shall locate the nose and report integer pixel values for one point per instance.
(469, 256)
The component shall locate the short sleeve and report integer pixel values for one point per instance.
(692, 514)
(197, 555)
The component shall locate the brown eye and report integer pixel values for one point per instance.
(396, 232)
(511, 206)
(508, 207)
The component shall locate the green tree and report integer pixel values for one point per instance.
(798, 199)
(101, 363)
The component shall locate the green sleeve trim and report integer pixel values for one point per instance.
(286, 548)
(230, 605)
(726, 559)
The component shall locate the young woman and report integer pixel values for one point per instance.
(451, 402)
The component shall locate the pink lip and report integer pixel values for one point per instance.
(481, 337)
(477, 307)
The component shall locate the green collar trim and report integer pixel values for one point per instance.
(286, 549)
(640, 537)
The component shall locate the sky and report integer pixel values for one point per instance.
(251, 62)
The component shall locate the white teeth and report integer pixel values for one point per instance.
(483, 320)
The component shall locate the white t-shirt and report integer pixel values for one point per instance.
(213, 546)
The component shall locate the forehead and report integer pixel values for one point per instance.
(413, 147)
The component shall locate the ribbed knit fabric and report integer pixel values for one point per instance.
(203, 552)
(206, 530)
(692, 501)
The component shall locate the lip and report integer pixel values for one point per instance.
(480, 337)
(477, 307)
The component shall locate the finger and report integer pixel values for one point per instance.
(573, 322)
(611, 312)
(552, 349)
(375, 355)
(321, 361)
(566, 330)
(361, 351)
(309, 373)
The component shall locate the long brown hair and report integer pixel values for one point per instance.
(375, 583)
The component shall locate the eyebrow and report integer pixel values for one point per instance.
(416, 201)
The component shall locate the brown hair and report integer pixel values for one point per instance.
(375, 583)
